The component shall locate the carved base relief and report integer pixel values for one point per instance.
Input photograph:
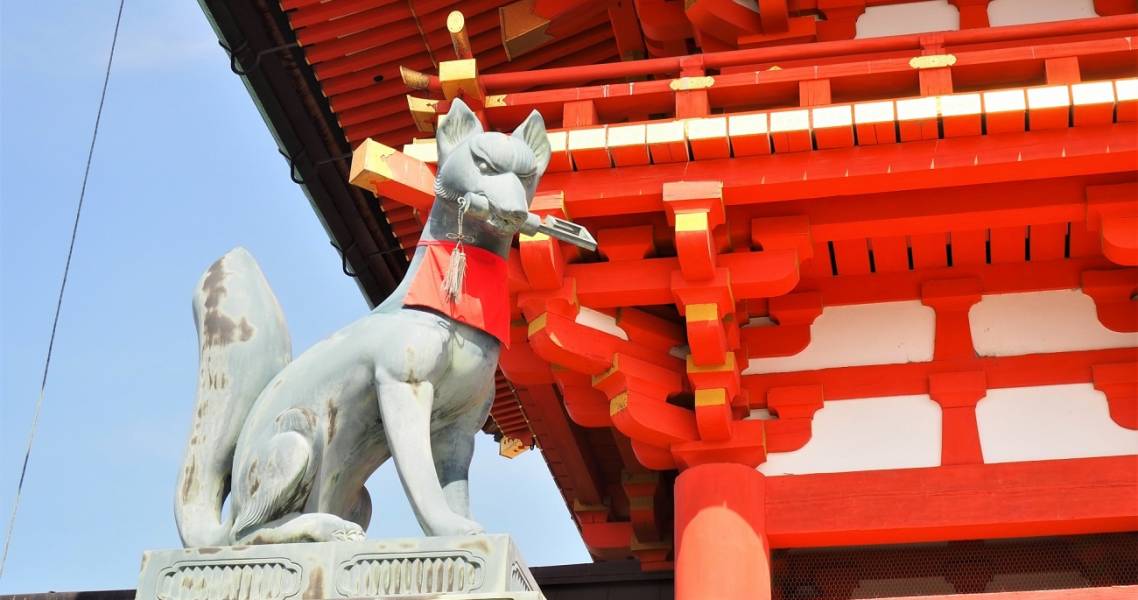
(475, 567)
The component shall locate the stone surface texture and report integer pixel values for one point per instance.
(481, 567)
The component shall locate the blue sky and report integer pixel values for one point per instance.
(184, 170)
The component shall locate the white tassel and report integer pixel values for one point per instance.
(456, 272)
(456, 275)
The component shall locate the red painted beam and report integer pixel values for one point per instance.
(871, 381)
(649, 281)
(861, 170)
(812, 51)
(760, 274)
(962, 502)
(1033, 202)
(889, 76)
(995, 279)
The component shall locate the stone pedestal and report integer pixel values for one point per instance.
(484, 567)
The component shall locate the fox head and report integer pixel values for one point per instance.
(502, 168)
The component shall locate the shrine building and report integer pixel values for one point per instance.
(862, 318)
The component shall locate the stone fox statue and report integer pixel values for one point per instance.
(291, 443)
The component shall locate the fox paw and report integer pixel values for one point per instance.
(349, 534)
(456, 525)
(330, 528)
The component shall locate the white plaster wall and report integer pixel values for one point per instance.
(1019, 12)
(913, 17)
(895, 432)
(860, 334)
(1039, 322)
(1050, 422)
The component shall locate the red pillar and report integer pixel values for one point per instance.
(721, 546)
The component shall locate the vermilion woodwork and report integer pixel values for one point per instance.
(626, 30)
(1113, 213)
(1054, 497)
(1119, 381)
(795, 407)
(907, 379)
(715, 504)
(721, 543)
(951, 299)
(957, 394)
(1113, 7)
(818, 175)
(1114, 296)
(973, 13)
(864, 170)
(894, 76)
(841, 19)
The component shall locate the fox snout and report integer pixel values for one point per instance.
(513, 217)
(506, 200)
(507, 220)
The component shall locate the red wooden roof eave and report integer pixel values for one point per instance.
(428, 31)
(261, 46)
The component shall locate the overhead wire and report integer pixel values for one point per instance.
(59, 300)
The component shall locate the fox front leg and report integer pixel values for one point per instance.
(405, 410)
(453, 447)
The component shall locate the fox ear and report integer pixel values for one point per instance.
(532, 132)
(459, 124)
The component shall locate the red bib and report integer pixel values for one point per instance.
(485, 301)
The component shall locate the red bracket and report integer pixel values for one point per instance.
(794, 315)
(648, 331)
(520, 363)
(744, 446)
(638, 392)
(1119, 381)
(795, 407)
(542, 261)
(607, 540)
(841, 19)
(642, 488)
(951, 299)
(957, 394)
(560, 340)
(695, 208)
(626, 243)
(1113, 213)
(587, 406)
(1114, 295)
